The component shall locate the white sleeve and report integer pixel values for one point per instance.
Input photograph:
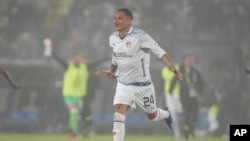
(148, 42)
(113, 61)
(111, 41)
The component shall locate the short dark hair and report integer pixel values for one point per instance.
(127, 12)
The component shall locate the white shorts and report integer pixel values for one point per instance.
(144, 96)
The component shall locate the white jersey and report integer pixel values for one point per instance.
(132, 56)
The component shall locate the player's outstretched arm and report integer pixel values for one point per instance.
(96, 63)
(167, 60)
(60, 61)
(8, 77)
(48, 52)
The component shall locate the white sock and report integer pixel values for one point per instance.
(161, 115)
(118, 127)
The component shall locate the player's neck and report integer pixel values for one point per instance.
(123, 33)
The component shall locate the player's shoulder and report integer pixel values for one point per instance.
(112, 37)
(138, 31)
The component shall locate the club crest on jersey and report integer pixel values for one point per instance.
(129, 44)
(155, 43)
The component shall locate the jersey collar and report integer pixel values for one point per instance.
(129, 32)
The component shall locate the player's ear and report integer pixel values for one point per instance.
(128, 19)
(129, 22)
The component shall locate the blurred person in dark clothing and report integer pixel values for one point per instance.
(190, 90)
(8, 77)
(93, 84)
(233, 104)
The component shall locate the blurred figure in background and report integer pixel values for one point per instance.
(212, 119)
(93, 84)
(172, 99)
(90, 84)
(75, 83)
(8, 77)
(190, 92)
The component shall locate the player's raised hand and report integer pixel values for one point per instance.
(110, 74)
(16, 85)
(47, 43)
(178, 74)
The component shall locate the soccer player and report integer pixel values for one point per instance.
(74, 85)
(130, 67)
(8, 77)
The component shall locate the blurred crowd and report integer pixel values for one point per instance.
(85, 25)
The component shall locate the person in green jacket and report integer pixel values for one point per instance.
(74, 89)
(75, 84)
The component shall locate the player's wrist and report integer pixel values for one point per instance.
(175, 71)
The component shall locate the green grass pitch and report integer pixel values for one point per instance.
(32, 137)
